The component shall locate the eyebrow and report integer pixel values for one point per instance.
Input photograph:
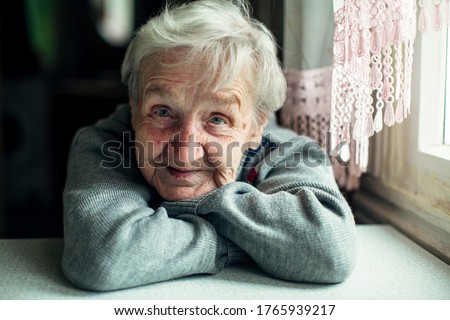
(225, 99)
(155, 90)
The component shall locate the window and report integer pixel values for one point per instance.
(408, 184)
(433, 82)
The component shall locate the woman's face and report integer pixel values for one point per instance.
(189, 140)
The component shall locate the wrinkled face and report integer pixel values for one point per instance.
(189, 139)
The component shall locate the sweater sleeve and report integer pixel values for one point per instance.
(293, 220)
(113, 237)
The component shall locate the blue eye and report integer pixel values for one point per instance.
(162, 112)
(217, 120)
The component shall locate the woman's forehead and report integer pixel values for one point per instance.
(162, 76)
(174, 89)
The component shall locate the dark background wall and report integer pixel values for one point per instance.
(56, 75)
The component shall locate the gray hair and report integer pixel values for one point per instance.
(223, 33)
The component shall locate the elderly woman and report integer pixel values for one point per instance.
(202, 181)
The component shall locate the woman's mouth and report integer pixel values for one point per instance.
(181, 174)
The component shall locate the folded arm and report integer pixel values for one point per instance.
(292, 221)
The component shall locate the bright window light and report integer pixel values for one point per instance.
(447, 96)
(115, 20)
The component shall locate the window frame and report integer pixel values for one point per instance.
(447, 98)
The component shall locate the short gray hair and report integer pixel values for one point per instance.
(223, 33)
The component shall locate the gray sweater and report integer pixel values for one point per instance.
(284, 212)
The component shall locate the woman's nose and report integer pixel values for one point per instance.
(187, 146)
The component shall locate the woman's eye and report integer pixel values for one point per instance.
(162, 112)
(217, 120)
(161, 115)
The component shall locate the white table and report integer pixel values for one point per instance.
(389, 266)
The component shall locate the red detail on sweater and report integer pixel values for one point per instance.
(252, 175)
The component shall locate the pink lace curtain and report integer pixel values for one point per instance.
(307, 111)
(441, 14)
(369, 84)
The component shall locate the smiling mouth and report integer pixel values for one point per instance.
(179, 174)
